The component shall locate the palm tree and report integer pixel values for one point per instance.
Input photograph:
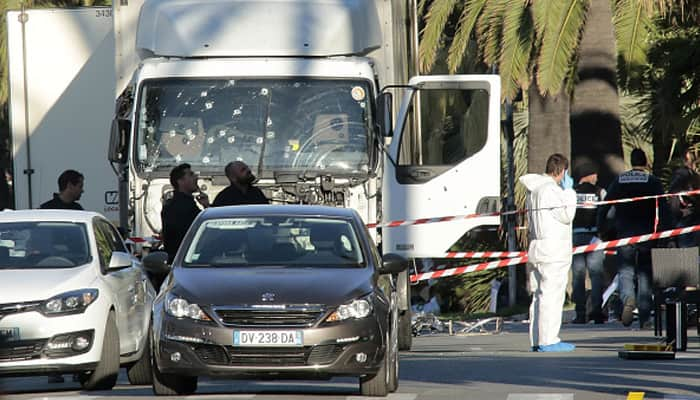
(535, 44)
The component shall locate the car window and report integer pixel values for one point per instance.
(275, 240)
(43, 245)
(113, 237)
(104, 246)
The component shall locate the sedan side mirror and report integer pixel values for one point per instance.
(156, 263)
(119, 260)
(393, 264)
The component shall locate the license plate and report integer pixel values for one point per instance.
(9, 334)
(268, 338)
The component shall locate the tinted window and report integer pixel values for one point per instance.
(43, 245)
(294, 241)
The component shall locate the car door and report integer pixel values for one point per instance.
(125, 285)
(140, 290)
(444, 160)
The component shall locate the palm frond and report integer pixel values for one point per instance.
(489, 29)
(431, 36)
(559, 42)
(632, 27)
(465, 27)
(516, 43)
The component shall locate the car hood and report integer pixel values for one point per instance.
(20, 285)
(245, 286)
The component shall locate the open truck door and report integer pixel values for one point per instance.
(444, 160)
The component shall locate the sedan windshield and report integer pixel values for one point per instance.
(274, 240)
(300, 125)
(26, 245)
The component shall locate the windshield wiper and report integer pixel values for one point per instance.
(264, 133)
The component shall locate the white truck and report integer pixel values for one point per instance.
(300, 90)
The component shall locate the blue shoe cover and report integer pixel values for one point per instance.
(557, 348)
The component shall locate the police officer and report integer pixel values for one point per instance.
(180, 210)
(70, 189)
(586, 232)
(241, 190)
(633, 219)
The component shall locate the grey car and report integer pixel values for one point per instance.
(276, 292)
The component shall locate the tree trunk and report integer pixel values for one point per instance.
(548, 130)
(595, 110)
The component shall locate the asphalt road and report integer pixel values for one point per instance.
(483, 367)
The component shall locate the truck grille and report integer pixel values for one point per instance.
(291, 316)
(21, 350)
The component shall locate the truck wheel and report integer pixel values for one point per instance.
(171, 384)
(393, 384)
(104, 377)
(405, 332)
(140, 372)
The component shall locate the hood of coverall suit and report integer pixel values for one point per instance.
(549, 229)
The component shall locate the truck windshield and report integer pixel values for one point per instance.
(303, 125)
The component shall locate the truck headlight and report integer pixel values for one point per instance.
(359, 308)
(74, 302)
(181, 308)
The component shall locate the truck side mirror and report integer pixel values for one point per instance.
(385, 116)
(119, 140)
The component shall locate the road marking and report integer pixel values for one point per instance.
(635, 396)
(391, 396)
(541, 396)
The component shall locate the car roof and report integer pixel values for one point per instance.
(48, 215)
(277, 210)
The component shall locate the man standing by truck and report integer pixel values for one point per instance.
(180, 210)
(241, 190)
(70, 188)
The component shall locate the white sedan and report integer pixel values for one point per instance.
(72, 299)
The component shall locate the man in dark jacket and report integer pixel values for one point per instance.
(241, 190)
(633, 219)
(586, 232)
(70, 188)
(180, 210)
(682, 208)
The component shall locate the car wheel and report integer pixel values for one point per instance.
(170, 384)
(377, 385)
(405, 332)
(104, 377)
(140, 372)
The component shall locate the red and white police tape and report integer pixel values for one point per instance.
(464, 269)
(421, 221)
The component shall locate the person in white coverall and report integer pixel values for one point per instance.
(552, 204)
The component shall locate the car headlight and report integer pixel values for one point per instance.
(359, 308)
(74, 302)
(180, 308)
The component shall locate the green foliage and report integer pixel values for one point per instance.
(469, 293)
(560, 39)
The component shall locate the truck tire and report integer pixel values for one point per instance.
(377, 385)
(393, 384)
(139, 373)
(104, 377)
(405, 332)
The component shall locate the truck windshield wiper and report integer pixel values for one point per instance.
(264, 133)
